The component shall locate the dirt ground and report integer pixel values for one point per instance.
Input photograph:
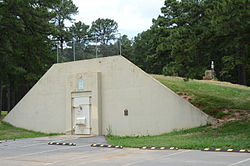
(231, 115)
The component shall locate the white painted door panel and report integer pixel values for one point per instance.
(81, 115)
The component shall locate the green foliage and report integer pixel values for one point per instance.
(79, 31)
(210, 98)
(80, 35)
(126, 46)
(64, 10)
(104, 30)
(146, 54)
(219, 115)
(8, 131)
(30, 32)
(233, 134)
(171, 69)
(109, 131)
(189, 34)
(25, 46)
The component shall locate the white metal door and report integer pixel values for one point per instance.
(81, 115)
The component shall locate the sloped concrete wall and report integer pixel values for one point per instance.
(152, 108)
(43, 107)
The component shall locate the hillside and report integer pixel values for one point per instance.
(218, 99)
(227, 103)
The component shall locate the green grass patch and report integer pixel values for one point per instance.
(4, 113)
(210, 98)
(235, 134)
(7, 131)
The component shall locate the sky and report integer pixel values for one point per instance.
(132, 16)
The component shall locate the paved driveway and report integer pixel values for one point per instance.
(36, 151)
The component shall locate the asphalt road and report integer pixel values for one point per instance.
(37, 152)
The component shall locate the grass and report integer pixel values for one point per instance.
(8, 131)
(208, 96)
(235, 134)
(4, 113)
(211, 97)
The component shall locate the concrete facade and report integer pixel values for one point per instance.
(115, 86)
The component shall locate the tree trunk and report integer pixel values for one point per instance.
(61, 45)
(1, 98)
(242, 74)
(13, 97)
(242, 67)
(8, 98)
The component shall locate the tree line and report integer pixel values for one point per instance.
(182, 41)
(32, 32)
(189, 34)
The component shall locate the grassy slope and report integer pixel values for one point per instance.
(212, 99)
(8, 131)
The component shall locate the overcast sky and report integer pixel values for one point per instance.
(132, 16)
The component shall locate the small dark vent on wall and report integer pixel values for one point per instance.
(125, 112)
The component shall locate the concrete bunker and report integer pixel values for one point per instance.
(103, 96)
